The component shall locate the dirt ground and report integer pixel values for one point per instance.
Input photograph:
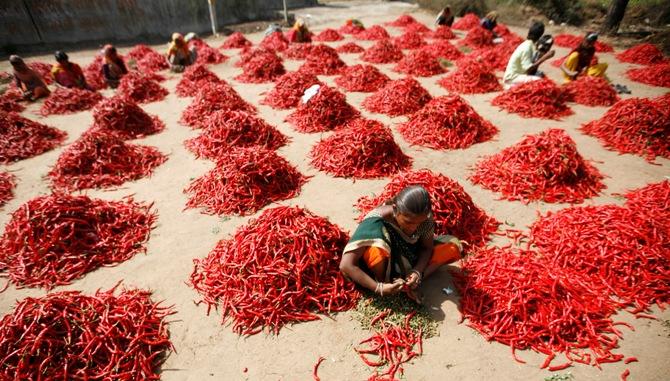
(206, 350)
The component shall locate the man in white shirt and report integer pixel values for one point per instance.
(521, 63)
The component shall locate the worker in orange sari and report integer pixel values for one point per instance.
(68, 74)
(299, 32)
(114, 68)
(394, 248)
(30, 83)
(581, 60)
(179, 55)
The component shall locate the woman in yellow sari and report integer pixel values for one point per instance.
(179, 55)
(579, 61)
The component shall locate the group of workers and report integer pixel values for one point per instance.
(70, 75)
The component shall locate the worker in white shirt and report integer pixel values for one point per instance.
(521, 65)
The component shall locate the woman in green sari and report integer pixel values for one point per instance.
(394, 248)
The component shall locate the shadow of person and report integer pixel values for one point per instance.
(434, 294)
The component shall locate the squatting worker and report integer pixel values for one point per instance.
(66, 73)
(179, 55)
(299, 32)
(114, 68)
(521, 65)
(394, 247)
(445, 17)
(28, 80)
(579, 60)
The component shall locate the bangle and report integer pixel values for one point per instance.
(415, 271)
(379, 289)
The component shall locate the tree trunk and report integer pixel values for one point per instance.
(614, 17)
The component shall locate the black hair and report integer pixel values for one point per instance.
(413, 200)
(545, 42)
(61, 56)
(535, 31)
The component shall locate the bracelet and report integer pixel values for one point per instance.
(379, 289)
(415, 271)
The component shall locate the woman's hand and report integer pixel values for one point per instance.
(393, 288)
(413, 280)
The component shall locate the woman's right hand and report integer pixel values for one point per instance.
(393, 288)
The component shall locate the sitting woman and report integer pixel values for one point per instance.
(179, 55)
(28, 80)
(580, 61)
(445, 17)
(299, 32)
(68, 74)
(394, 248)
(114, 68)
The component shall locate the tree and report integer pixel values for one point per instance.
(614, 17)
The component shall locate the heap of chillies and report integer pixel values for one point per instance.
(243, 181)
(477, 37)
(382, 52)
(616, 251)
(206, 54)
(93, 73)
(664, 102)
(518, 298)
(229, 129)
(328, 34)
(635, 125)
(351, 28)
(471, 78)
(152, 62)
(543, 167)
(409, 40)
(454, 212)
(53, 240)
(7, 184)
(73, 336)
(213, 97)
(591, 91)
(363, 78)
(398, 97)
(350, 47)
(447, 122)
(392, 345)
(22, 138)
(655, 74)
(443, 49)
(467, 22)
(124, 119)
(494, 57)
(260, 66)
(288, 89)
(417, 27)
(298, 51)
(141, 88)
(67, 101)
(275, 41)
(236, 41)
(652, 201)
(325, 111)
(323, 60)
(571, 41)
(402, 21)
(362, 149)
(193, 79)
(534, 99)
(643, 54)
(442, 32)
(101, 160)
(9, 101)
(375, 32)
(419, 63)
(280, 268)
(140, 50)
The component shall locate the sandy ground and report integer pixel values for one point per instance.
(207, 350)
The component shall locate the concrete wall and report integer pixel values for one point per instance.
(33, 22)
